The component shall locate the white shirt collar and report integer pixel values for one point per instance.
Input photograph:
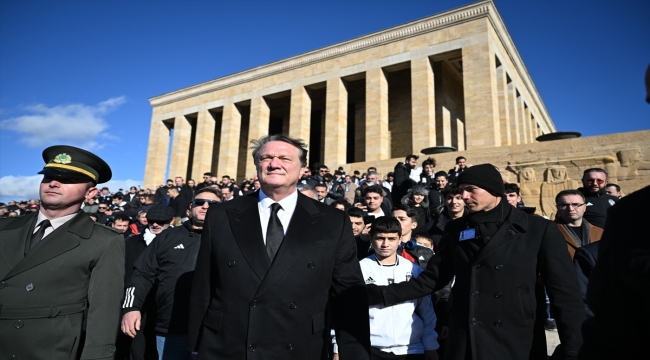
(54, 222)
(288, 204)
(264, 207)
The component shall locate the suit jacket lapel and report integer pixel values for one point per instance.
(61, 240)
(247, 230)
(296, 242)
(568, 237)
(13, 240)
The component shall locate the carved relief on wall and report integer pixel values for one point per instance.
(556, 180)
(628, 168)
(631, 162)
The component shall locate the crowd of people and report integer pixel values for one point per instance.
(298, 263)
(399, 224)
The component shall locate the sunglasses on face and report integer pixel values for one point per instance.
(597, 181)
(200, 202)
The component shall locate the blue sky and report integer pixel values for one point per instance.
(81, 72)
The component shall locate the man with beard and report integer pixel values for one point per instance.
(168, 262)
(597, 201)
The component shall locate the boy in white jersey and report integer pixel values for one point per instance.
(402, 331)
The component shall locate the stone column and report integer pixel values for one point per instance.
(525, 134)
(258, 127)
(482, 123)
(446, 127)
(300, 116)
(359, 131)
(460, 126)
(422, 105)
(531, 131)
(515, 136)
(377, 136)
(229, 145)
(336, 123)
(157, 152)
(180, 147)
(504, 111)
(203, 144)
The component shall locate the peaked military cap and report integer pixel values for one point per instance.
(69, 161)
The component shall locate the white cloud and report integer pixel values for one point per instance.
(73, 124)
(26, 187)
(19, 187)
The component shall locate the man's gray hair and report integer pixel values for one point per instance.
(306, 187)
(297, 143)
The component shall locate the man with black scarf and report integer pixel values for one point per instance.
(498, 255)
(577, 231)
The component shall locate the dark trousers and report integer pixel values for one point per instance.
(376, 354)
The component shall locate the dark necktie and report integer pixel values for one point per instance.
(274, 232)
(36, 238)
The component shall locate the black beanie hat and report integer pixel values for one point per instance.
(485, 176)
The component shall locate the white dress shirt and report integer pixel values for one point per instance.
(288, 207)
(55, 223)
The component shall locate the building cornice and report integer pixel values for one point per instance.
(482, 9)
(414, 28)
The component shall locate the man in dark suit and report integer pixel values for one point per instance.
(497, 254)
(56, 263)
(274, 267)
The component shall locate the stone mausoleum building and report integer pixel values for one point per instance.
(453, 79)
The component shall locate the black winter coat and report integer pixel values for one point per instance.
(619, 290)
(402, 182)
(498, 302)
(597, 205)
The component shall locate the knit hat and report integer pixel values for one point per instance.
(485, 176)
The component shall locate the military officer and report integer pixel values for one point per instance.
(56, 263)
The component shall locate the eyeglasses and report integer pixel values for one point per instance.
(103, 208)
(200, 202)
(566, 206)
(592, 181)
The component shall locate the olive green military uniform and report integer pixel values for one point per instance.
(46, 285)
(43, 294)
